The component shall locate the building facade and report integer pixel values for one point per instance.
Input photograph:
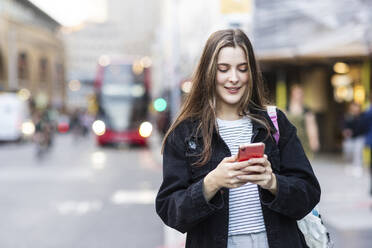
(31, 52)
(128, 31)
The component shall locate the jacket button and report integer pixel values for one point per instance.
(192, 145)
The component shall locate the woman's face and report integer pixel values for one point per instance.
(232, 76)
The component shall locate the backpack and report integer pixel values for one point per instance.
(311, 226)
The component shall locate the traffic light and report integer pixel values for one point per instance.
(160, 104)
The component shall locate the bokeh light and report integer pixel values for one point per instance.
(145, 129)
(99, 127)
(74, 85)
(160, 104)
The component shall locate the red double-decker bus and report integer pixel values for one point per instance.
(122, 95)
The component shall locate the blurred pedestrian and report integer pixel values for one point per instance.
(43, 136)
(363, 125)
(304, 120)
(79, 123)
(353, 144)
(205, 192)
(86, 122)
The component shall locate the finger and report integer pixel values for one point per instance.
(263, 161)
(239, 165)
(268, 170)
(231, 174)
(264, 182)
(254, 169)
(236, 183)
(235, 173)
(252, 177)
(232, 182)
(234, 157)
(256, 161)
(267, 162)
(243, 178)
(230, 159)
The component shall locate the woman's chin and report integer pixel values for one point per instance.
(232, 101)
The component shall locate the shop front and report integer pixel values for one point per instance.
(329, 84)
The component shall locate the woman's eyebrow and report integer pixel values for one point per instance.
(227, 64)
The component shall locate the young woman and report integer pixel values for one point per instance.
(205, 192)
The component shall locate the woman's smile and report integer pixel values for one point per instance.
(233, 90)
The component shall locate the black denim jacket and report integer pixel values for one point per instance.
(181, 204)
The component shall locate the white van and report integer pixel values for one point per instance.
(14, 117)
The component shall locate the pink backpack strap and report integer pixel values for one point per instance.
(271, 110)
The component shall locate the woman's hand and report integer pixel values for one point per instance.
(259, 172)
(232, 174)
(224, 175)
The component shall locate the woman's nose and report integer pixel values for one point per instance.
(234, 76)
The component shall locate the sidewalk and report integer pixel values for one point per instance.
(346, 205)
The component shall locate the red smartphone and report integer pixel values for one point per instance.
(253, 150)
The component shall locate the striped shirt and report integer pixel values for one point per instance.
(245, 212)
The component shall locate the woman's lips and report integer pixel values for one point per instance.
(232, 90)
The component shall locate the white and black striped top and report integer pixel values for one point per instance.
(245, 213)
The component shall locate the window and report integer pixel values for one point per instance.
(43, 69)
(60, 76)
(22, 66)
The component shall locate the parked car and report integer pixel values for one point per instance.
(15, 121)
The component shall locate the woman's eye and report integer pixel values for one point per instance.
(243, 69)
(223, 69)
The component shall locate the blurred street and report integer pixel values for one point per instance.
(78, 195)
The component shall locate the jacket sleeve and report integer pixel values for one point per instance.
(298, 188)
(180, 203)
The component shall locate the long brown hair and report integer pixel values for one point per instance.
(200, 104)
